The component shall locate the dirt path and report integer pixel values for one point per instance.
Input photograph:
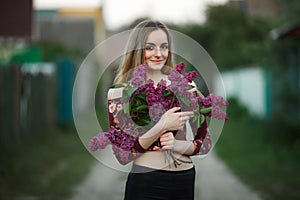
(214, 181)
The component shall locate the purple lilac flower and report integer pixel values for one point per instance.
(174, 75)
(151, 99)
(193, 106)
(218, 101)
(161, 86)
(121, 138)
(99, 141)
(175, 83)
(148, 87)
(180, 67)
(156, 111)
(206, 101)
(167, 102)
(139, 75)
(217, 113)
(182, 87)
(179, 84)
(190, 76)
(122, 154)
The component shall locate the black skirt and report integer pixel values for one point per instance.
(145, 183)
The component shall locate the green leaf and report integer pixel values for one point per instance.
(205, 110)
(141, 107)
(126, 108)
(201, 120)
(130, 90)
(194, 119)
(185, 100)
(143, 121)
(141, 96)
(136, 103)
(143, 111)
(125, 95)
(166, 93)
(117, 86)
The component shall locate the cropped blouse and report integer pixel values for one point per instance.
(127, 148)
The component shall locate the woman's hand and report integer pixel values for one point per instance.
(172, 120)
(167, 141)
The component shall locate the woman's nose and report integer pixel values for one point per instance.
(158, 52)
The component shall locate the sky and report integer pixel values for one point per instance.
(117, 13)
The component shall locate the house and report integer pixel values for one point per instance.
(287, 72)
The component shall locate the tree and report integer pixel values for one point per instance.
(231, 38)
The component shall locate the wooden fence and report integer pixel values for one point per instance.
(27, 103)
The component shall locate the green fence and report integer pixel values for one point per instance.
(27, 103)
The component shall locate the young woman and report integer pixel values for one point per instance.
(151, 176)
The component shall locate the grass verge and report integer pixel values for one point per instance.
(268, 167)
(43, 166)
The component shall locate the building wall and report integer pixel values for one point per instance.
(262, 8)
(256, 8)
(249, 86)
(73, 33)
(79, 28)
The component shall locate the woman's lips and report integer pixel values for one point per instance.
(156, 61)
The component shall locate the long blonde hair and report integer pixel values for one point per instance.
(134, 53)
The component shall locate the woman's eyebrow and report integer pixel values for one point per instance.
(154, 44)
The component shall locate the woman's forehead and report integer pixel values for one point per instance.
(157, 36)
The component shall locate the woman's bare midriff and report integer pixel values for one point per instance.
(156, 160)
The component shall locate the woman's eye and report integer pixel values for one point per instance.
(149, 47)
(164, 47)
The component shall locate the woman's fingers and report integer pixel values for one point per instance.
(167, 141)
(173, 120)
(156, 148)
(186, 113)
(166, 136)
(185, 118)
(174, 109)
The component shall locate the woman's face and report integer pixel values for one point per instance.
(156, 49)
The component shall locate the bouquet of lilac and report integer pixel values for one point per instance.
(144, 104)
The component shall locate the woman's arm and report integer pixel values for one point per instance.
(170, 120)
(184, 147)
(199, 146)
(202, 141)
(138, 143)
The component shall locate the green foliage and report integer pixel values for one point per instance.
(43, 166)
(236, 110)
(284, 121)
(57, 51)
(230, 37)
(238, 40)
(272, 169)
(290, 10)
(138, 110)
